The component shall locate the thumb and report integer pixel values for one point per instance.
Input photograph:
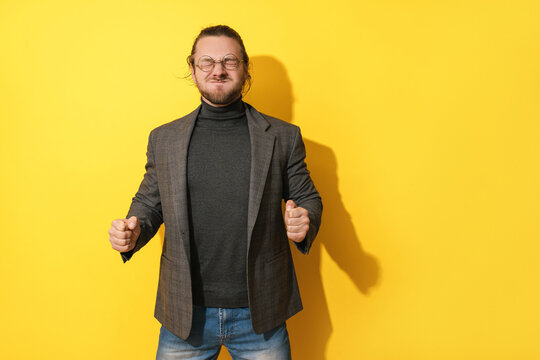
(290, 204)
(132, 222)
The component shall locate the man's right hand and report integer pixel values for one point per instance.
(124, 233)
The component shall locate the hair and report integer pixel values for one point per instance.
(223, 30)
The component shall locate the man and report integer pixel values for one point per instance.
(216, 178)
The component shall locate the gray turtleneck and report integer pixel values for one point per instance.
(218, 172)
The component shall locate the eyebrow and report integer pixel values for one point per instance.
(221, 57)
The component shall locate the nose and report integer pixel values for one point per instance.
(218, 69)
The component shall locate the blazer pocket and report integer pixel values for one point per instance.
(165, 258)
(276, 257)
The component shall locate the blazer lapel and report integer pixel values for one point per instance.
(179, 144)
(262, 146)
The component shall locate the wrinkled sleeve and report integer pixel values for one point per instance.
(146, 204)
(299, 187)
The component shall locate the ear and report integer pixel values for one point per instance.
(246, 74)
(192, 70)
(246, 69)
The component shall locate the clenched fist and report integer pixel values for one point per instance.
(124, 233)
(296, 221)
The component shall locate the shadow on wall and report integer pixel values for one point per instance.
(310, 330)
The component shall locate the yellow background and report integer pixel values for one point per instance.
(421, 122)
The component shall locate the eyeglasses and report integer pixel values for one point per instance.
(229, 62)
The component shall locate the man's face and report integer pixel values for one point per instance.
(219, 86)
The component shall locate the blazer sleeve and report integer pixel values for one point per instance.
(146, 204)
(299, 187)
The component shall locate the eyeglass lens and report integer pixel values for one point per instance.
(229, 62)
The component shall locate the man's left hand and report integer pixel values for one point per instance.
(296, 221)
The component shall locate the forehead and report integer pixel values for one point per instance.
(217, 47)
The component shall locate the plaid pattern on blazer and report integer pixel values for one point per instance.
(278, 171)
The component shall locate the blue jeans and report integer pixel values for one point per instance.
(214, 327)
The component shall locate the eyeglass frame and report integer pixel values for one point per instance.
(214, 62)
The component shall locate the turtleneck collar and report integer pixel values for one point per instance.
(228, 116)
(234, 109)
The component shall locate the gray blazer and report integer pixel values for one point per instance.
(278, 171)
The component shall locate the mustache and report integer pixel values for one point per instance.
(221, 77)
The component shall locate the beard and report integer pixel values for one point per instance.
(223, 97)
